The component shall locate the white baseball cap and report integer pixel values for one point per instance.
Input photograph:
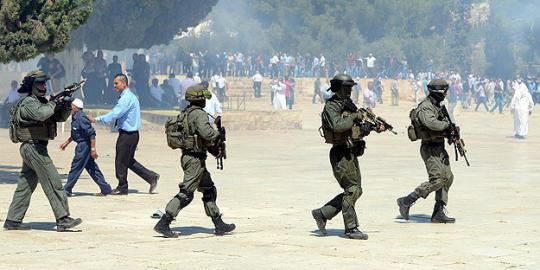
(78, 103)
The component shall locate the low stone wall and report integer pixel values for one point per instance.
(233, 120)
(304, 87)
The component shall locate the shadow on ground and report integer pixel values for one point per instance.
(192, 230)
(47, 226)
(9, 174)
(417, 218)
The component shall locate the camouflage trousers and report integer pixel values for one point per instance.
(37, 167)
(438, 168)
(196, 177)
(347, 173)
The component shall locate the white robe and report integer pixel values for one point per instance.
(279, 97)
(522, 104)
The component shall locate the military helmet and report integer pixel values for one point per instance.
(39, 76)
(30, 79)
(198, 93)
(437, 89)
(438, 85)
(341, 80)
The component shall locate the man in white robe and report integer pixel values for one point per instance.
(522, 106)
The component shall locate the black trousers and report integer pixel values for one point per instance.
(126, 144)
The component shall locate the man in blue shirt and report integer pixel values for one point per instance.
(127, 117)
(84, 135)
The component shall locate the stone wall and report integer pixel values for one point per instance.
(233, 120)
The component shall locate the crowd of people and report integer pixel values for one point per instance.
(277, 71)
(278, 64)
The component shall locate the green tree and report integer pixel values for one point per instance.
(31, 27)
(121, 24)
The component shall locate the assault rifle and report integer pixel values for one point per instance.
(68, 92)
(375, 121)
(454, 137)
(372, 121)
(220, 147)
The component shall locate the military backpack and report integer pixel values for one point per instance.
(178, 133)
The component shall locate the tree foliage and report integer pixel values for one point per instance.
(419, 30)
(123, 24)
(31, 27)
(384, 27)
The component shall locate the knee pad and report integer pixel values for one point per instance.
(354, 191)
(210, 194)
(184, 197)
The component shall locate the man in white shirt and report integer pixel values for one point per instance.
(370, 64)
(213, 107)
(175, 84)
(221, 86)
(197, 78)
(157, 92)
(257, 83)
(322, 63)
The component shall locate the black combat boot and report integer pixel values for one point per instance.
(439, 216)
(66, 223)
(356, 234)
(163, 228)
(320, 220)
(222, 227)
(405, 203)
(15, 225)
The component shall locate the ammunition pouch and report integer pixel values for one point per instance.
(335, 138)
(411, 133)
(44, 132)
(358, 148)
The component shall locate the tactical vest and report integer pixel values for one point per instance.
(181, 136)
(417, 130)
(347, 138)
(30, 130)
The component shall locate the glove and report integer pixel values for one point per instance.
(68, 99)
(365, 128)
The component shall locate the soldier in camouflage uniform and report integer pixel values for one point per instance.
(201, 137)
(431, 127)
(342, 127)
(34, 124)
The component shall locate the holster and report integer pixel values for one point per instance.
(358, 148)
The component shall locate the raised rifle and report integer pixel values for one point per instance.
(221, 147)
(375, 121)
(68, 92)
(454, 137)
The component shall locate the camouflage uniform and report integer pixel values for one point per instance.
(431, 126)
(196, 176)
(35, 124)
(339, 120)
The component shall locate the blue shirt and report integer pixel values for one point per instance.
(127, 113)
(81, 128)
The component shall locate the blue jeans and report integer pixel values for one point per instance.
(81, 161)
(498, 103)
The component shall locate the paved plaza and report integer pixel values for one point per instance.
(271, 181)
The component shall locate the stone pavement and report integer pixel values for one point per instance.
(271, 181)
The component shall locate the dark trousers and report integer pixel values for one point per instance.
(125, 159)
(499, 103)
(289, 102)
(221, 94)
(481, 101)
(82, 161)
(257, 89)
